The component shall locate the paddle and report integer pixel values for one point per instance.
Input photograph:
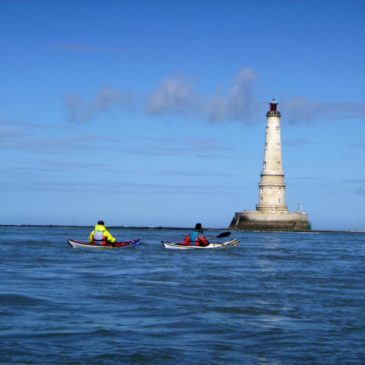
(221, 235)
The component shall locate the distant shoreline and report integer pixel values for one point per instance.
(168, 228)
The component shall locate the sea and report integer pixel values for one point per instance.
(277, 298)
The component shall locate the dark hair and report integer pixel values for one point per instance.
(101, 222)
(198, 227)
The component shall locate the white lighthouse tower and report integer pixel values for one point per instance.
(272, 185)
(271, 211)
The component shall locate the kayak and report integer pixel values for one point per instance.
(179, 246)
(78, 244)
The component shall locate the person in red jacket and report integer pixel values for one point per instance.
(196, 237)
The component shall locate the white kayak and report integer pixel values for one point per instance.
(78, 244)
(179, 246)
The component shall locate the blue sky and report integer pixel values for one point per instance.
(153, 112)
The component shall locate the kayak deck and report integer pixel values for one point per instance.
(180, 246)
(79, 244)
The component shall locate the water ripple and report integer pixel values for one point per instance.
(278, 298)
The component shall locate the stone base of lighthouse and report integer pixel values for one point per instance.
(264, 221)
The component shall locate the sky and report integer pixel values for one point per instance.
(153, 113)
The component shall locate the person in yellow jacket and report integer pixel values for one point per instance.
(100, 235)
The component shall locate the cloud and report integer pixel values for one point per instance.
(26, 141)
(177, 96)
(30, 138)
(117, 187)
(9, 132)
(304, 110)
(300, 109)
(361, 189)
(359, 186)
(299, 142)
(86, 48)
(199, 147)
(106, 98)
(358, 145)
(237, 105)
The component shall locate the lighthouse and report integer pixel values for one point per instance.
(272, 185)
(271, 211)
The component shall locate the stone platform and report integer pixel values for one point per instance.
(263, 221)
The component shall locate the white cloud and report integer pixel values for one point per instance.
(10, 135)
(105, 99)
(86, 48)
(177, 96)
(237, 105)
(299, 142)
(304, 110)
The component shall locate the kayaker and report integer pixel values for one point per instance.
(196, 237)
(100, 235)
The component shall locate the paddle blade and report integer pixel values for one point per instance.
(224, 234)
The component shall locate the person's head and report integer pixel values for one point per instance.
(101, 222)
(198, 227)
